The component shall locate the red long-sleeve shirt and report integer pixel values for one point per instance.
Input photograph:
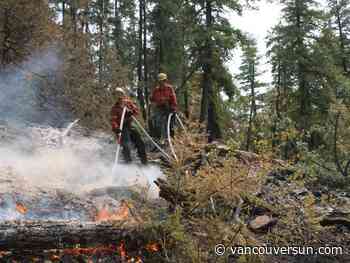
(164, 96)
(117, 111)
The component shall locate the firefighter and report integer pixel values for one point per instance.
(129, 132)
(164, 102)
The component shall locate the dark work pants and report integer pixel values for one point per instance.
(130, 134)
(160, 122)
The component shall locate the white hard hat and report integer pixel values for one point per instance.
(119, 90)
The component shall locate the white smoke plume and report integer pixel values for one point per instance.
(75, 163)
(36, 150)
(21, 88)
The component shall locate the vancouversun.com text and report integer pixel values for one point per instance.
(222, 250)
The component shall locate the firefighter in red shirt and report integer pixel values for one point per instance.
(129, 131)
(164, 102)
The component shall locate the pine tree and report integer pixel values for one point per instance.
(214, 39)
(167, 39)
(25, 26)
(340, 14)
(297, 33)
(250, 84)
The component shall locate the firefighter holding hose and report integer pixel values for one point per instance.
(127, 132)
(164, 102)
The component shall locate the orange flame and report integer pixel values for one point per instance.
(90, 251)
(135, 260)
(3, 253)
(55, 258)
(152, 247)
(122, 250)
(121, 214)
(21, 208)
(124, 255)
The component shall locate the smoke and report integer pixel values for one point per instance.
(75, 163)
(28, 90)
(37, 153)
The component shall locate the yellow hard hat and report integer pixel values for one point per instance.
(162, 76)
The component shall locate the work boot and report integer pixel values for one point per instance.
(144, 161)
(126, 155)
(162, 143)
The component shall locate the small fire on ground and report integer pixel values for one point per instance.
(107, 214)
(120, 251)
(21, 208)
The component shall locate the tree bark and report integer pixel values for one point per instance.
(252, 105)
(304, 96)
(39, 236)
(101, 42)
(160, 29)
(342, 40)
(117, 29)
(140, 93)
(145, 64)
(209, 107)
(73, 13)
(63, 12)
(6, 32)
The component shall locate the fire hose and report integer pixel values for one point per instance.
(169, 136)
(149, 137)
(66, 131)
(70, 126)
(120, 135)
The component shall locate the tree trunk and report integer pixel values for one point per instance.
(145, 63)
(209, 98)
(140, 94)
(304, 96)
(117, 29)
(39, 236)
(160, 40)
(206, 65)
(6, 32)
(206, 82)
(63, 12)
(252, 106)
(73, 13)
(101, 36)
(278, 98)
(275, 134)
(342, 40)
(183, 87)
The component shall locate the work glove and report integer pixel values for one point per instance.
(128, 113)
(117, 131)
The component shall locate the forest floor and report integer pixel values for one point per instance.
(214, 194)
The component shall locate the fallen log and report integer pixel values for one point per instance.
(46, 235)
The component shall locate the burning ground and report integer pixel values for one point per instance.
(57, 190)
(215, 194)
(59, 199)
